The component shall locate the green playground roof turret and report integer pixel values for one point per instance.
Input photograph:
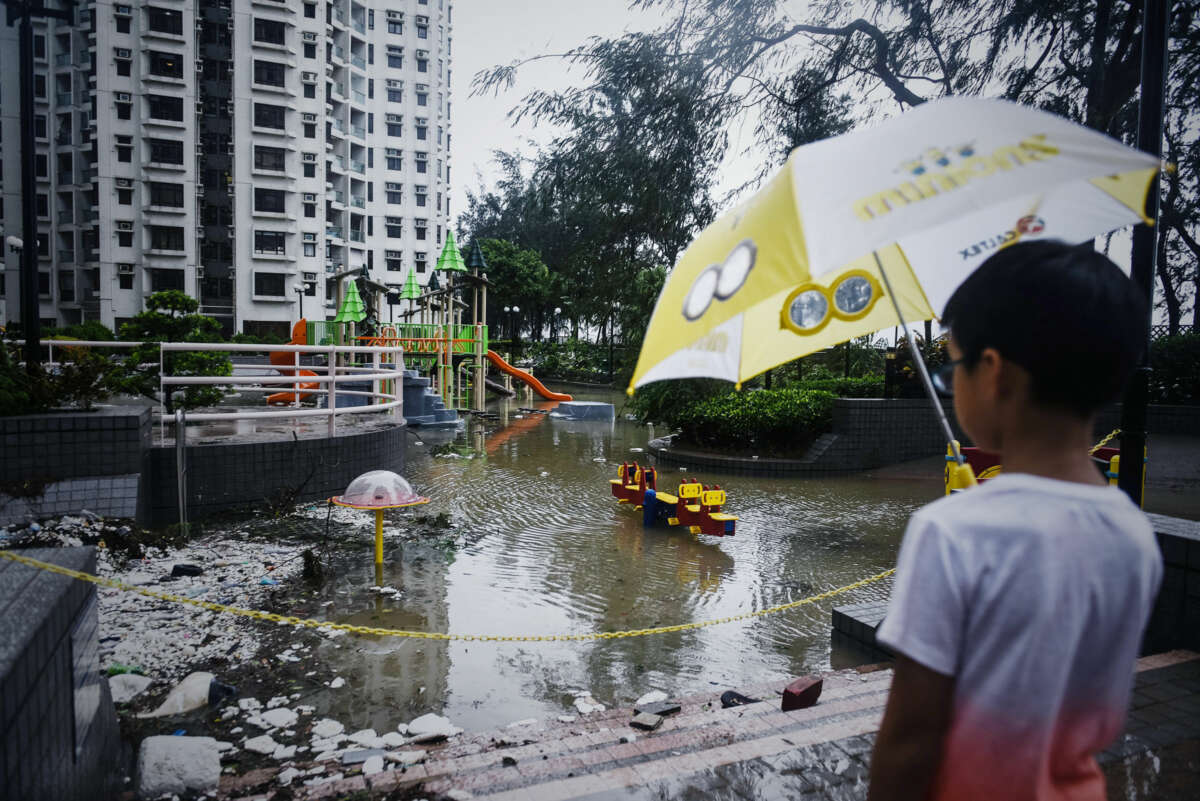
(411, 290)
(351, 310)
(475, 259)
(451, 260)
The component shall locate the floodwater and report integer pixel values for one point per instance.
(540, 547)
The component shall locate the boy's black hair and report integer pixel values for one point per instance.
(1066, 314)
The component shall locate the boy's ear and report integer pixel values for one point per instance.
(1005, 378)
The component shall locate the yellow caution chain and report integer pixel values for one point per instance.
(1115, 432)
(430, 635)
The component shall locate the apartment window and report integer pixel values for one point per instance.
(274, 200)
(393, 260)
(310, 90)
(310, 50)
(421, 226)
(269, 31)
(269, 72)
(270, 242)
(310, 249)
(422, 163)
(269, 158)
(39, 126)
(395, 56)
(422, 65)
(268, 116)
(41, 165)
(310, 170)
(124, 239)
(310, 130)
(122, 24)
(166, 237)
(310, 10)
(124, 110)
(371, 56)
(39, 85)
(39, 46)
(164, 20)
(167, 64)
(393, 227)
(66, 286)
(422, 31)
(422, 132)
(165, 107)
(270, 284)
(42, 205)
(166, 151)
(163, 194)
(395, 26)
(125, 197)
(395, 161)
(125, 153)
(422, 195)
(395, 95)
(44, 285)
(124, 67)
(395, 128)
(125, 280)
(162, 280)
(422, 98)
(310, 209)
(419, 258)
(394, 195)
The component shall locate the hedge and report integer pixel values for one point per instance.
(1175, 377)
(778, 421)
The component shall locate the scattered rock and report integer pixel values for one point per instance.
(566, 718)
(263, 744)
(406, 757)
(127, 686)
(801, 693)
(586, 705)
(628, 738)
(662, 708)
(360, 757)
(364, 737)
(173, 765)
(327, 727)
(283, 752)
(286, 775)
(393, 739)
(652, 697)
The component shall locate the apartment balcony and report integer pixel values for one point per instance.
(334, 231)
(357, 236)
(338, 55)
(63, 98)
(87, 175)
(358, 61)
(62, 138)
(337, 196)
(358, 97)
(358, 201)
(358, 131)
(339, 163)
(66, 218)
(62, 60)
(358, 166)
(66, 257)
(359, 26)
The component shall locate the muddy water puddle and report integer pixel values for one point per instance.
(538, 546)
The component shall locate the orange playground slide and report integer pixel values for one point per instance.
(285, 363)
(521, 375)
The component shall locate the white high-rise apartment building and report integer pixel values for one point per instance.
(243, 151)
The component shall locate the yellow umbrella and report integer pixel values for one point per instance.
(914, 203)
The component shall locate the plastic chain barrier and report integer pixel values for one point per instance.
(431, 635)
(1105, 441)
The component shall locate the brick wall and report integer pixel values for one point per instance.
(228, 477)
(58, 727)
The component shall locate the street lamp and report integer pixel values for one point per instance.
(557, 313)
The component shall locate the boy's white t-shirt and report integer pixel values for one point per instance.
(1033, 594)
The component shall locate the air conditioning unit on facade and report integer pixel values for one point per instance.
(123, 183)
(395, 118)
(308, 77)
(422, 20)
(310, 276)
(310, 157)
(393, 254)
(199, 65)
(392, 186)
(124, 225)
(310, 237)
(309, 36)
(308, 117)
(395, 14)
(123, 97)
(125, 269)
(123, 52)
(310, 197)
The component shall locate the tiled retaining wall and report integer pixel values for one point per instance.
(58, 728)
(107, 442)
(222, 478)
(1175, 622)
(1175, 420)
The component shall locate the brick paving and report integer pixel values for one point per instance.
(749, 752)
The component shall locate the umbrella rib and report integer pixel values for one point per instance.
(920, 362)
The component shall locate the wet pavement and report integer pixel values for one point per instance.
(758, 752)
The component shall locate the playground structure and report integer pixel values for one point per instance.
(986, 465)
(696, 507)
(434, 335)
(289, 364)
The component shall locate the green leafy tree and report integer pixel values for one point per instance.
(171, 316)
(517, 275)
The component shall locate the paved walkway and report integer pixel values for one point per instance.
(750, 752)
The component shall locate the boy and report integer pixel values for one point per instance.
(1019, 605)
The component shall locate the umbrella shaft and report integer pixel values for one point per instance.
(920, 362)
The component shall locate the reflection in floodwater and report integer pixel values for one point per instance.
(538, 546)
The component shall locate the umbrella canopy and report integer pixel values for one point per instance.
(450, 260)
(411, 290)
(351, 310)
(915, 203)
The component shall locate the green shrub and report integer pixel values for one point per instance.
(90, 330)
(777, 421)
(1176, 374)
(664, 401)
(869, 386)
(83, 378)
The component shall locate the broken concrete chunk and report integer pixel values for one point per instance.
(406, 757)
(176, 765)
(801, 693)
(663, 708)
(393, 739)
(647, 721)
(286, 775)
(283, 752)
(359, 757)
(432, 724)
(373, 765)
